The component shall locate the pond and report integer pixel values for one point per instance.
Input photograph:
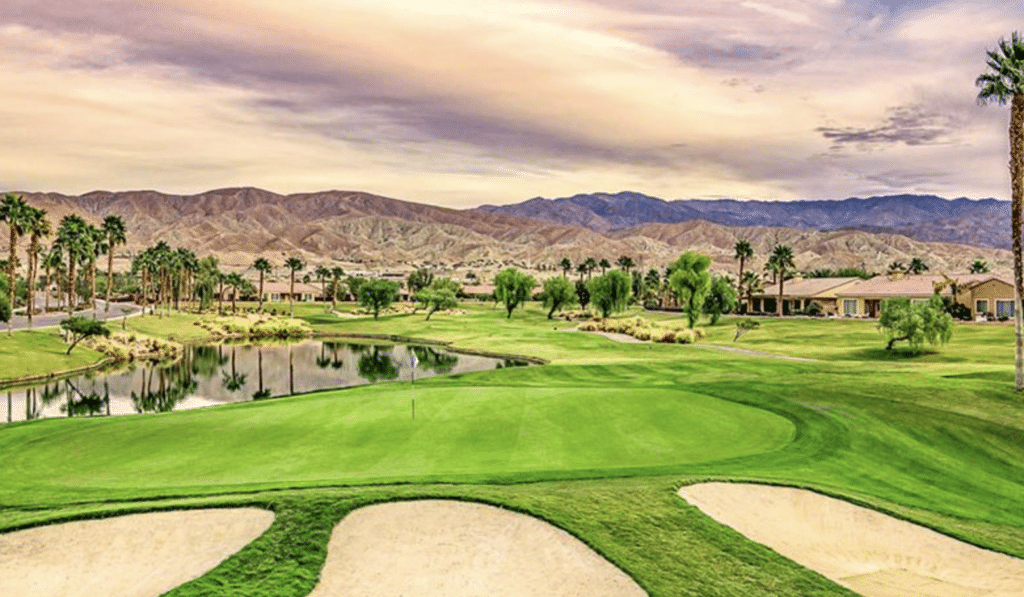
(209, 375)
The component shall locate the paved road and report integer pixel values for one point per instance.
(52, 320)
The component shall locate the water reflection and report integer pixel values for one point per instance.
(235, 372)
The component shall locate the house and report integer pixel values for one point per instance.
(279, 291)
(986, 295)
(799, 293)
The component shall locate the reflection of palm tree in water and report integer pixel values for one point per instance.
(261, 393)
(176, 383)
(377, 365)
(431, 359)
(322, 361)
(236, 380)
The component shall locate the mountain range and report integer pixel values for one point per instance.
(923, 217)
(363, 231)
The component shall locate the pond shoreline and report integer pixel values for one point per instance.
(13, 383)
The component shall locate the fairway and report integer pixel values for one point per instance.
(461, 431)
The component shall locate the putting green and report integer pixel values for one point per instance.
(367, 434)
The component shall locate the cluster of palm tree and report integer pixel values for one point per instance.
(779, 264)
(590, 264)
(77, 243)
(916, 266)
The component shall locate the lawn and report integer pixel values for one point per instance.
(597, 442)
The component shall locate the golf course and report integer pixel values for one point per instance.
(597, 441)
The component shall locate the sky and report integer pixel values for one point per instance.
(466, 102)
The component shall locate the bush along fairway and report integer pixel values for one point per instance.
(596, 442)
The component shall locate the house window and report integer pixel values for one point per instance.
(849, 307)
(1004, 309)
(981, 306)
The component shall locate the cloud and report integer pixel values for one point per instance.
(910, 125)
(456, 101)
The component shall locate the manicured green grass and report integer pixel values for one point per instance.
(38, 352)
(596, 442)
(461, 431)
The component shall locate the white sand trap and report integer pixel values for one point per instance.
(871, 553)
(437, 548)
(140, 555)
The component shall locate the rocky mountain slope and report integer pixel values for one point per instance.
(924, 217)
(364, 231)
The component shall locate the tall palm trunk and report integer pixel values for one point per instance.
(72, 300)
(33, 257)
(46, 292)
(92, 285)
(261, 298)
(1017, 219)
(739, 281)
(334, 294)
(110, 279)
(12, 282)
(782, 281)
(291, 294)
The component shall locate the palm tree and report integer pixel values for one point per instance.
(979, 267)
(1003, 82)
(321, 274)
(752, 282)
(742, 251)
(566, 265)
(294, 264)
(263, 267)
(187, 266)
(591, 265)
(53, 261)
(917, 266)
(97, 241)
(236, 282)
(604, 264)
(782, 260)
(625, 262)
(896, 267)
(337, 273)
(73, 240)
(15, 212)
(37, 226)
(581, 269)
(114, 229)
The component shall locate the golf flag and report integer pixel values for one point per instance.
(413, 361)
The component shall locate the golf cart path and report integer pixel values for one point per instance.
(51, 320)
(864, 550)
(141, 555)
(436, 548)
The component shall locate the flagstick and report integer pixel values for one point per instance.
(413, 387)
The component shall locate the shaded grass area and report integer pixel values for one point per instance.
(936, 438)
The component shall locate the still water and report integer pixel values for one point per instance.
(223, 373)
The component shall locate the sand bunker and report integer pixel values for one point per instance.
(871, 553)
(129, 556)
(457, 549)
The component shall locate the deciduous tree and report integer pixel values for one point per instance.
(557, 293)
(690, 281)
(513, 287)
